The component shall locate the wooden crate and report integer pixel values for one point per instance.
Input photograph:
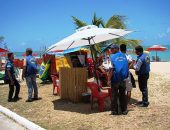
(72, 83)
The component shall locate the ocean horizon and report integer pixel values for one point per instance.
(163, 55)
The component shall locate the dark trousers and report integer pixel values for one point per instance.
(118, 92)
(11, 89)
(142, 80)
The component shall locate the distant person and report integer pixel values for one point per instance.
(29, 72)
(11, 79)
(130, 83)
(142, 69)
(117, 75)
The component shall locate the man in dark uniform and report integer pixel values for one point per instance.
(11, 79)
(142, 69)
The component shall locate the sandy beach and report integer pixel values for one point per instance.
(53, 113)
(160, 67)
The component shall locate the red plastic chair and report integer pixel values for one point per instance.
(95, 94)
(55, 84)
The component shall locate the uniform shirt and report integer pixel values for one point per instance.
(9, 67)
(30, 64)
(142, 64)
(120, 67)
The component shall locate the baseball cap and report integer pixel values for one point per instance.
(114, 46)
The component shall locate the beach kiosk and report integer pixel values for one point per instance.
(72, 75)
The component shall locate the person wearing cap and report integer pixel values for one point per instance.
(142, 69)
(11, 79)
(130, 82)
(29, 72)
(116, 78)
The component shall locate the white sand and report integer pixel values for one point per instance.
(160, 67)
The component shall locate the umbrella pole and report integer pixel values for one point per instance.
(156, 56)
(95, 75)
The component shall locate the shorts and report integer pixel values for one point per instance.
(128, 84)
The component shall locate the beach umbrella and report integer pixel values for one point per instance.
(3, 50)
(87, 35)
(33, 54)
(157, 48)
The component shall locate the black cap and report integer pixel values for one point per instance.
(114, 46)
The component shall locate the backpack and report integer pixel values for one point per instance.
(120, 65)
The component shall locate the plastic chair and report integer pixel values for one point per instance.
(95, 94)
(55, 81)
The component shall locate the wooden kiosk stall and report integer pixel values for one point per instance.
(72, 75)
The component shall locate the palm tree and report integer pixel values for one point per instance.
(116, 21)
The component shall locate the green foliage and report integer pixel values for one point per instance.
(97, 21)
(78, 22)
(116, 21)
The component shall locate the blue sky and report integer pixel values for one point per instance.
(37, 23)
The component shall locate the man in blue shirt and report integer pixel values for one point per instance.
(117, 75)
(142, 69)
(29, 72)
(11, 79)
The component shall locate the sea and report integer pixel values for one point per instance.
(163, 55)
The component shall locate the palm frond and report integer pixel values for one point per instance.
(97, 21)
(78, 23)
(116, 21)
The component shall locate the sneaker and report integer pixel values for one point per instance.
(114, 113)
(10, 100)
(28, 100)
(16, 98)
(36, 98)
(125, 112)
(143, 105)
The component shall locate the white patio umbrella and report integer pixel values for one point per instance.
(87, 35)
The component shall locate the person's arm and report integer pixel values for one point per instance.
(138, 65)
(101, 68)
(24, 69)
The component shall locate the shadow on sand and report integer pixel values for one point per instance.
(83, 108)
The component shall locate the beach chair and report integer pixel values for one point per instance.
(56, 86)
(96, 94)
